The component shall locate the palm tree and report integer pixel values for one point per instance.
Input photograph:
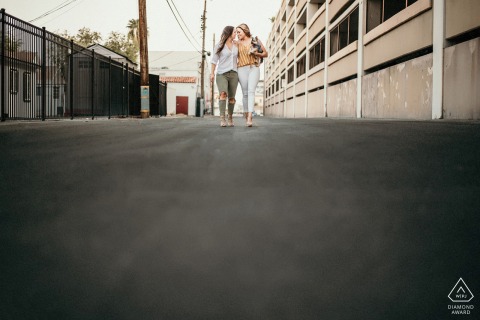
(133, 32)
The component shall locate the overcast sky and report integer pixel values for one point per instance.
(105, 16)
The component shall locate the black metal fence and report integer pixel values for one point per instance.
(45, 76)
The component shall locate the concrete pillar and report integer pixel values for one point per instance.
(360, 73)
(438, 52)
(327, 55)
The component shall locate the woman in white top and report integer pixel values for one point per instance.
(224, 60)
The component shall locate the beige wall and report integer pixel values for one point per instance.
(335, 6)
(289, 112)
(400, 41)
(461, 16)
(315, 104)
(300, 107)
(316, 80)
(342, 99)
(403, 91)
(462, 81)
(300, 87)
(317, 26)
(343, 68)
(302, 43)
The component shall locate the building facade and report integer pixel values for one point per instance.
(412, 59)
(182, 71)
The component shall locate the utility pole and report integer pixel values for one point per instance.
(212, 99)
(144, 84)
(204, 26)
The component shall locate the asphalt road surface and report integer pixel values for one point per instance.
(290, 219)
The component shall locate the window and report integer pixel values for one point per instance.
(317, 54)
(379, 11)
(13, 81)
(301, 65)
(277, 85)
(27, 86)
(290, 74)
(56, 92)
(344, 33)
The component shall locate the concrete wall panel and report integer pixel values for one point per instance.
(394, 44)
(300, 87)
(289, 112)
(403, 91)
(317, 26)
(300, 107)
(343, 68)
(462, 81)
(316, 80)
(461, 16)
(341, 101)
(315, 104)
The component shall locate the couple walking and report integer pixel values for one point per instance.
(237, 61)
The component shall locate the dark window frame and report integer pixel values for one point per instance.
(302, 66)
(27, 86)
(291, 73)
(349, 30)
(14, 81)
(379, 11)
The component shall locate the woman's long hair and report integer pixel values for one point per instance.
(227, 32)
(245, 29)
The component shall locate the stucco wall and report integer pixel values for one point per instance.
(403, 91)
(171, 100)
(462, 81)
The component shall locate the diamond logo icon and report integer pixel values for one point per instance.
(460, 292)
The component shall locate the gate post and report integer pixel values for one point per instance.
(2, 108)
(44, 72)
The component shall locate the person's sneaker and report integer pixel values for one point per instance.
(230, 121)
(222, 121)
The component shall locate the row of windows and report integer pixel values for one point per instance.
(379, 11)
(27, 84)
(346, 32)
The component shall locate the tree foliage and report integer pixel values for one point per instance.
(127, 45)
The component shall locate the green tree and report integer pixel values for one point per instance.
(120, 44)
(133, 32)
(86, 37)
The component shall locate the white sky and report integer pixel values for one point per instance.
(105, 16)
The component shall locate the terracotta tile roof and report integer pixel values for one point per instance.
(179, 79)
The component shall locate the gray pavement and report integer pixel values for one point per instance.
(290, 219)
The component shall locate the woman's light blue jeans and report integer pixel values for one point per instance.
(248, 77)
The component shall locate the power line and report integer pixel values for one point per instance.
(46, 22)
(193, 37)
(58, 7)
(181, 26)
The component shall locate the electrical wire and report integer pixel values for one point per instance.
(55, 9)
(193, 37)
(46, 22)
(182, 27)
